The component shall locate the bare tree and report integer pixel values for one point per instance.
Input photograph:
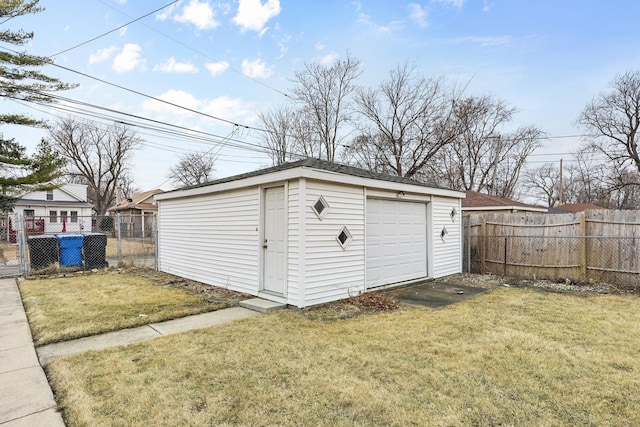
(323, 94)
(98, 154)
(193, 169)
(408, 119)
(595, 181)
(543, 183)
(287, 135)
(483, 158)
(613, 120)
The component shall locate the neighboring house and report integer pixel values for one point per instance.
(476, 203)
(63, 209)
(573, 207)
(309, 232)
(136, 214)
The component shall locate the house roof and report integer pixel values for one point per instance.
(479, 201)
(141, 201)
(576, 207)
(328, 170)
(52, 203)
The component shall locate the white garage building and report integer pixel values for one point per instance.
(309, 232)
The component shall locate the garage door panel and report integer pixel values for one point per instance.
(396, 236)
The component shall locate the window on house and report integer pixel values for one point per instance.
(74, 216)
(53, 216)
(29, 213)
(49, 194)
(63, 216)
(344, 237)
(320, 207)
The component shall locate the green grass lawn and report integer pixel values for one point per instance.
(65, 308)
(510, 357)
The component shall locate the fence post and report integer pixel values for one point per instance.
(583, 247)
(119, 239)
(483, 245)
(468, 243)
(155, 243)
(504, 267)
(21, 239)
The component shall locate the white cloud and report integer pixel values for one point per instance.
(128, 59)
(487, 6)
(256, 68)
(418, 14)
(199, 14)
(172, 66)
(283, 44)
(393, 26)
(177, 97)
(102, 54)
(253, 15)
(224, 107)
(452, 3)
(166, 13)
(328, 59)
(227, 108)
(216, 68)
(484, 41)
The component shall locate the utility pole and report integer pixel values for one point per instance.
(560, 186)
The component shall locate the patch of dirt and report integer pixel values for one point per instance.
(488, 281)
(209, 293)
(370, 302)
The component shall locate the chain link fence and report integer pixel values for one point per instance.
(46, 245)
(614, 260)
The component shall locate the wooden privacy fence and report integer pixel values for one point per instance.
(598, 245)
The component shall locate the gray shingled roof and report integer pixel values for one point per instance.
(316, 164)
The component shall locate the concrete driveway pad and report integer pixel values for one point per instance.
(434, 294)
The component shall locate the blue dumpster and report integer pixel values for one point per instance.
(70, 249)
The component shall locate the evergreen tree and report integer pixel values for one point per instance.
(21, 80)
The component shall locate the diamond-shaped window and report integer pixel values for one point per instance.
(344, 237)
(320, 207)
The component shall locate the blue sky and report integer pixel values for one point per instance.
(233, 59)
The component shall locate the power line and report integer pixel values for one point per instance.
(114, 30)
(181, 132)
(191, 110)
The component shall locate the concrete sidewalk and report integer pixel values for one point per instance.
(25, 396)
(49, 352)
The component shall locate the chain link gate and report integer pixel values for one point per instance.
(12, 245)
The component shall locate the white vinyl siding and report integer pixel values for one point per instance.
(293, 235)
(212, 238)
(447, 251)
(332, 272)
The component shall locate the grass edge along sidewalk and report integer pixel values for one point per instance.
(66, 308)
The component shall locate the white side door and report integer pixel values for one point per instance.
(274, 241)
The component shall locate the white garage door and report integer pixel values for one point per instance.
(396, 233)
